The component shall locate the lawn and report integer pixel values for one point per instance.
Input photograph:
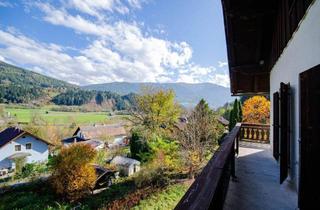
(165, 199)
(24, 115)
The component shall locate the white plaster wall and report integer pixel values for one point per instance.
(39, 151)
(301, 54)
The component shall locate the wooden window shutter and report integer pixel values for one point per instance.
(309, 182)
(284, 130)
(276, 125)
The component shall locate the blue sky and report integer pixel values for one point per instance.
(97, 41)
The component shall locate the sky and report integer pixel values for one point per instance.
(99, 41)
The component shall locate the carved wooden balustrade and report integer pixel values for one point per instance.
(255, 132)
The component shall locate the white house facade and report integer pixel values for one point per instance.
(25, 145)
(274, 50)
(301, 53)
(126, 166)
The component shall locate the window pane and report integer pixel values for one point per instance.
(17, 148)
(28, 146)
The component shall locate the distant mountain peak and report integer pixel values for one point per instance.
(187, 94)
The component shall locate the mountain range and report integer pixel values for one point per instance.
(187, 94)
(18, 85)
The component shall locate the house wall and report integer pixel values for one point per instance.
(128, 170)
(301, 54)
(39, 150)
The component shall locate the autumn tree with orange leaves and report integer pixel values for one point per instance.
(73, 174)
(256, 110)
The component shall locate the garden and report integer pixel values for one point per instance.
(171, 148)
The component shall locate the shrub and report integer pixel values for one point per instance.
(19, 164)
(151, 176)
(166, 153)
(73, 175)
(101, 158)
(27, 170)
(31, 170)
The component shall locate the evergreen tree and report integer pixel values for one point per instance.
(99, 98)
(139, 148)
(235, 114)
(240, 110)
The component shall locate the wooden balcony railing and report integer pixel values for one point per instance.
(209, 189)
(255, 132)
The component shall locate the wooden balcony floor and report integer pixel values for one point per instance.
(257, 184)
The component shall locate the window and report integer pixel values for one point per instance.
(17, 147)
(28, 146)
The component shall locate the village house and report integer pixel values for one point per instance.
(126, 166)
(96, 134)
(100, 131)
(17, 143)
(94, 143)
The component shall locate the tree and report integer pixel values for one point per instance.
(235, 114)
(99, 98)
(198, 136)
(73, 175)
(256, 110)
(139, 148)
(1, 110)
(156, 110)
(19, 162)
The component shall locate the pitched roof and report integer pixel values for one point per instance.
(12, 133)
(73, 139)
(8, 134)
(97, 131)
(223, 121)
(93, 143)
(120, 160)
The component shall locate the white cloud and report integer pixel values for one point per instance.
(98, 7)
(222, 64)
(5, 4)
(2, 59)
(95, 64)
(220, 79)
(120, 51)
(193, 73)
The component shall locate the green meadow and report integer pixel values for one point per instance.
(25, 115)
(166, 199)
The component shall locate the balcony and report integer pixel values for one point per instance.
(254, 174)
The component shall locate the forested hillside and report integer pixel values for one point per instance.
(81, 97)
(18, 85)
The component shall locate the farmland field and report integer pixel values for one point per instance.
(24, 115)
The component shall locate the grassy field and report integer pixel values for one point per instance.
(166, 199)
(24, 115)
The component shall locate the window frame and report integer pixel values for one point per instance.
(17, 146)
(29, 143)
